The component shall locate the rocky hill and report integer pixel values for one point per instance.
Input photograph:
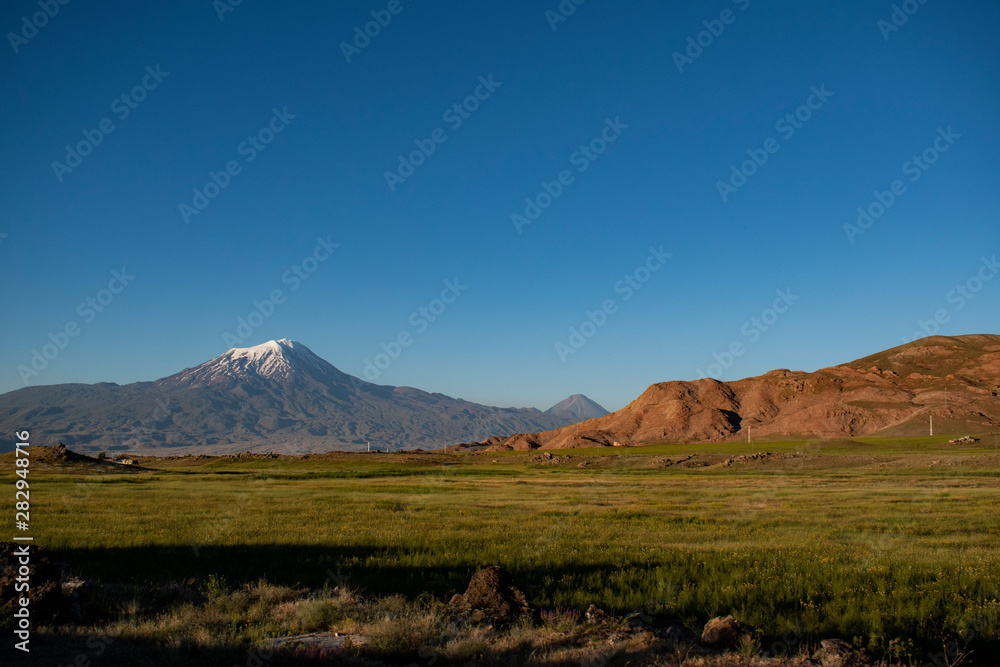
(896, 392)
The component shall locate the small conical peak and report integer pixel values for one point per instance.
(577, 407)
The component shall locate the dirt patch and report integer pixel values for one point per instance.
(320, 641)
(760, 459)
(547, 457)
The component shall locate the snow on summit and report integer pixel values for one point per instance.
(267, 360)
(274, 360)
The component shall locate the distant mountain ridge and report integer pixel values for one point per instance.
(955, 380)
(276, 396)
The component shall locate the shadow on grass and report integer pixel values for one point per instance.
(315, 566)
(137, 571)
(52, 649)
(59, 649)
(295, 565)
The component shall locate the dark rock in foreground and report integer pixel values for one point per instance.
(727, 632)
(492, 596)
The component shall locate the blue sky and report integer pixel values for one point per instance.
(887, 95)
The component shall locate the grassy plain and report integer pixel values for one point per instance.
(890, 543)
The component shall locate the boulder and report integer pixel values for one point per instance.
(492, 596)
(727, 632)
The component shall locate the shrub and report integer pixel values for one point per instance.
(313, 615)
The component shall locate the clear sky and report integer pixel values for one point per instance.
(631, 126)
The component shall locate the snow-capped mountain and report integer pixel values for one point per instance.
(278, 396)
(280, 360)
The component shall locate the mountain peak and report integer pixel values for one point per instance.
(280, 347)
(279, 360)
(273, 359)
(578, 408)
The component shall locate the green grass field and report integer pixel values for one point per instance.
(872, 540)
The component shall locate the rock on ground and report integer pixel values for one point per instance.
(727, 632)
(492, 596)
